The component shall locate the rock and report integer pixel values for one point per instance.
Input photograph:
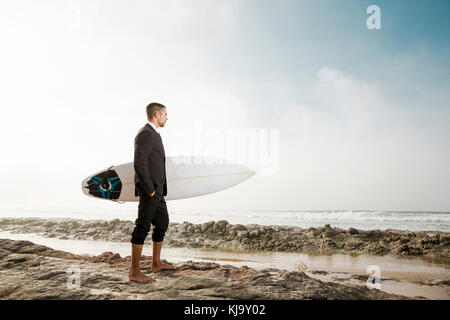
(207, 226)
(375, 233)
(319, 272)
(221, 234)
(329, 233)
(254, 234)
(242, 234)
(220, 225)
(238, 227)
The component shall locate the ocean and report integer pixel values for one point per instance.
(359, 219)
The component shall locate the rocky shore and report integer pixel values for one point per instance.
(30, 271)
(223, 235)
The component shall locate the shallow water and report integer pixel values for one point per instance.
(403, 271)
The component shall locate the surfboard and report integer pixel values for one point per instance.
(187, 177)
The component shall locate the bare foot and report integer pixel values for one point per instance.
(162, 266)
(139, 277)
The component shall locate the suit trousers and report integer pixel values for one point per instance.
(151, 210)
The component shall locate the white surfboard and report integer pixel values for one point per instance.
(187, 177)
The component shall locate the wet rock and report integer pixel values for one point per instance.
(319, 272)
(220, 225)
(352, 231)
(49, 275)
(238, 227)
(359, 277)
(241, 234)
(221, 234)
(207, 226)
(254, 234)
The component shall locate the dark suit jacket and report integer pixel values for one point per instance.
(149, 162)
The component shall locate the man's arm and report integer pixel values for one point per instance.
(142, 149)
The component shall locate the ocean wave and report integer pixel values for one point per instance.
(365, 219)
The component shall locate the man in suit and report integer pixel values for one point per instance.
(151, 187)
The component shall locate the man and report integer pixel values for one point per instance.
(151, 187)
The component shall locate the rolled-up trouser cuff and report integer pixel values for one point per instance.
(139, 234)
(157, 237)
(136, 241)
(151, 211)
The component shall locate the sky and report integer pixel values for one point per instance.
(362, 116)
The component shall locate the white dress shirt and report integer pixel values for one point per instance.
(153, 125)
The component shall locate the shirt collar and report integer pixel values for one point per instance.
(151, 123)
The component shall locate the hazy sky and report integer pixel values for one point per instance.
(363, 115)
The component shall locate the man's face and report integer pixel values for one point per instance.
(161, 116)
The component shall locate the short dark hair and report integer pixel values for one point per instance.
(152, 108)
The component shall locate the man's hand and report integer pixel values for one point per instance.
(153, 193)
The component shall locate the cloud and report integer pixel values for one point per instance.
(350, 146)
(338, 107)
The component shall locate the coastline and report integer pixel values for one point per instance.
(416, 276)
(30, 271)
(433, 245)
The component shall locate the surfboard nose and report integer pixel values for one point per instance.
(85, 186)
